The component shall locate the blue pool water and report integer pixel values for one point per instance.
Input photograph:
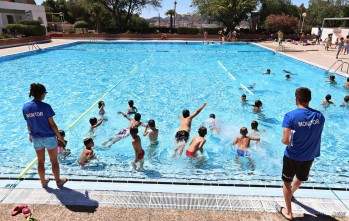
(163, 79)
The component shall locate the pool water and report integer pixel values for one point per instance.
(163, 79)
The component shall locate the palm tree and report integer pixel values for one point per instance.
(171, 13)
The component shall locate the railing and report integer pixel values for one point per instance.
(93, 39)
(33, 46)
(341, 66)
(280, 48)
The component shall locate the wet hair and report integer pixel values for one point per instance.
(202, 131)
(288, 76)
(332, 77)
(134, 131)
(62, 133)
(213, 116)
(186, 113)
(303, 94)
(346, 98)
(93, 121)
(244, 95)
(243, 131)
(87, 141)
(258, 103)
(36, 90)
(347, 79)
(342, 38)
(328, 97)
(100, 103)
(151, 123)
(137, 117)
(130, 103)
(268, 70)
(254, 125)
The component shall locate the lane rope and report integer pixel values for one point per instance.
(226, 70)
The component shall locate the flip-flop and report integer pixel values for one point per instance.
(26, 212)
(31, 219)
(18, 209)
(47, 180)
(279, 210)
(61, 182)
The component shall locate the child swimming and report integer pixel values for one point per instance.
(244, 142)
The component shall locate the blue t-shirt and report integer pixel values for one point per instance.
(37, 114)
(306, 126)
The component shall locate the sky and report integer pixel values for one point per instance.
(183, 7)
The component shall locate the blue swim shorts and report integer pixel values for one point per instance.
(242, 153)
(44, 142)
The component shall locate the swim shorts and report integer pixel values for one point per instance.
(294, 167)
(44, 142)
(243, 153)
(190, 154)
(123, 133)
(140, 155)
(182, 135)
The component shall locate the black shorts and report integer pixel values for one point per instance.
(293, 167)
(182, 135)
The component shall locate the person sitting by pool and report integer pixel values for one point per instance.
(152, 133)
(131, 108)
(257, 107)
(327, 101)
(345, 101)
(332, 79)
(87, 153)
(267, 72)
(163, 36)
(346, 84)
(197, 143)
(136, 122)
(94, 124)
(214, 124)
(288, 77)
(183, 131)
(244, 142)
(137, 146)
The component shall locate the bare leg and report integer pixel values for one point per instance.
(105, 142)
(295, 185)
(55, 167)
(41, 165)
(114, 141)
(141, 162)
(181, 147)
(134, 165)
(287, 191)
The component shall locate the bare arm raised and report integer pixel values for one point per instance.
(198, 110)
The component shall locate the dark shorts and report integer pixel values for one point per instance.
(293, 167)
(182, 135)
(140, 155)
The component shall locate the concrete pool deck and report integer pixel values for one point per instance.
(115, 201)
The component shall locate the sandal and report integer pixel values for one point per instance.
(18, 209)
(26, 212)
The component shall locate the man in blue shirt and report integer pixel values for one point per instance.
(302, 135)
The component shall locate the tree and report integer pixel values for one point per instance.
(81, 24)
(122, 10)
(320, 9)
(171, 13)
(228, 12)
(277, 7)
(285, 23)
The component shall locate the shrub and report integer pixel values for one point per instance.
(3, 36)
(16, 29)
(26, 30)
(82, 25)
(287, 24)
(30, 22)
(71, 31)
(188, 30)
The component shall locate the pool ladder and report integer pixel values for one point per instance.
(341, 66)
(280, 48)
(33, 46)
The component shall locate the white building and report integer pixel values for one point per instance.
(12, 11)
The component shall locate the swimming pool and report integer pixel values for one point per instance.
(163, 79)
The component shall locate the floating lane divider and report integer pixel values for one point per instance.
(246, 89)
(226, 70)
(133, 70)
(72, 125)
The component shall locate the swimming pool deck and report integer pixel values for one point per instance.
(130, 201)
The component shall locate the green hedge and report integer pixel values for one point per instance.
(26, 30)
(30, 22)
(188, 30)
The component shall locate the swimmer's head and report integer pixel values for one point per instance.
(243, 97)
(137, 117)
(258, 103)
(93, 121)
(347, 79)
(213, 116)
(151, 123)
(243, 131)
(303, 95)
(328, 97)
(130, 103)
(288, 76)
(332, 77)
(100, 103)
(186, 113)
(268, 70)
(88, 142)
(346, 98)
(254, 125)
(134, 131)
(37, 90)
(202, 131)
(62, 133)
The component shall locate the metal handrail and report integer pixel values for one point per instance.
(340, 66)
(33, 46)
(282, 47)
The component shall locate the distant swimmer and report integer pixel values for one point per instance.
(254, 127)
(332, 80)
(251, 87)
(87, 153)
(327, 101)
(244, 142)
(101, 110)
(345, 101)
(289, 72)
(257, 107)
(214, 124)
(243, 98)
(346, 84)
(94, 124)
(267, 72)
(131, 108)
(197, 143)
(152, 133)
(288, 77)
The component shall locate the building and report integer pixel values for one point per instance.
(12, 11)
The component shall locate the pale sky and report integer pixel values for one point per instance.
(183, 7)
